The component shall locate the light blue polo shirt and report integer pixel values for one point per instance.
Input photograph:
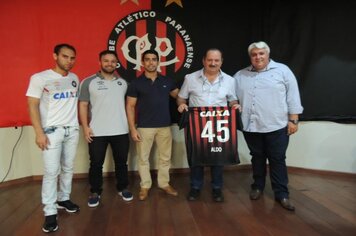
(202, 93)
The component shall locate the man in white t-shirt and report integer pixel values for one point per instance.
(52, 101)
(103, 117)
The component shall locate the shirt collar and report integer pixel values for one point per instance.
(159, 76)
(271, 65)
(203, 77)
(102, 77)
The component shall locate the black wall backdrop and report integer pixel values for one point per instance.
(317, 40)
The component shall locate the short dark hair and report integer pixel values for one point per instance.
(106, 52)
(212, 49)
(150, 51)
(58, 48)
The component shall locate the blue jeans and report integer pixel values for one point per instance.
(197, 176)
(58, 161)
(97, 151)
(271, 146)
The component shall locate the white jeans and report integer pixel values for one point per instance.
(58, 160)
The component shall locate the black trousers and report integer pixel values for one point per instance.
(97, 150)
(271, 146)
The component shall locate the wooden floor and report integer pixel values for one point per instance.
(325, 205)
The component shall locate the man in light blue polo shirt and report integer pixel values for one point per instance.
(269, 96)
(208, 87)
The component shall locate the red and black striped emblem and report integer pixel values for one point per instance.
(148, 29)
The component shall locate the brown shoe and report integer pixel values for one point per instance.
(143, 193)
(170, 190)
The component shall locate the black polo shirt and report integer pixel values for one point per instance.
(152, 100)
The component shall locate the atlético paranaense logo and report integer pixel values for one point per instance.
(148, 29)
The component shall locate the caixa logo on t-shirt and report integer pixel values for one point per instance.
(148, 29)
(214, 113)
(65, 95)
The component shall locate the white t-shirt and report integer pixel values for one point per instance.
(58, 97)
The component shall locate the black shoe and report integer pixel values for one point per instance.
(193, 194)
(94, 200)
(286, 204)
(50, 224)
(68, 206)
(255, 194)
(218, 195)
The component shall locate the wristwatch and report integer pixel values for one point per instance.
(294, 121)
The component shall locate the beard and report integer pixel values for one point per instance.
(108, 70)
(151, 68)
(64, 67)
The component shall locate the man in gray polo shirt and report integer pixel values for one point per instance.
(103, 117)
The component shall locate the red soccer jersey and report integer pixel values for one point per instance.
(211, 136)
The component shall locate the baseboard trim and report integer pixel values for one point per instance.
(298, 170)
(247, 167)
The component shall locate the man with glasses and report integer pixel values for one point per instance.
(208, 87)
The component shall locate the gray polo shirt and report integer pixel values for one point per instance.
(106, 103)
